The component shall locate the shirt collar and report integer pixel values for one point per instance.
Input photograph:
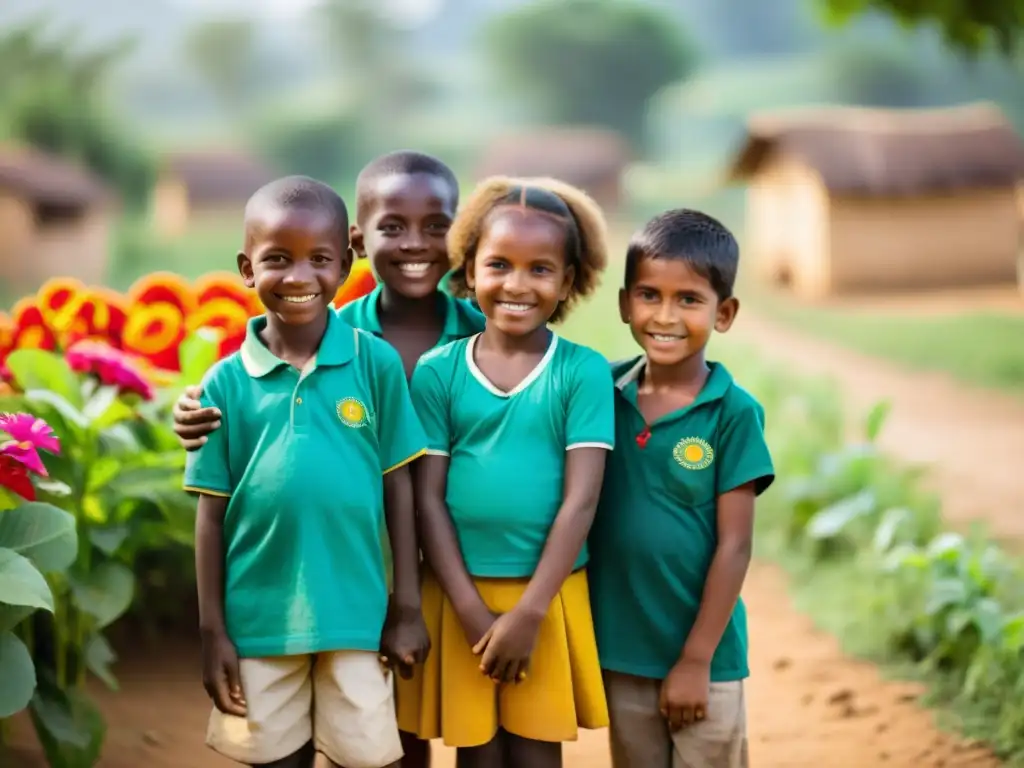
(370, 320)
(337, 347)
(717, 384)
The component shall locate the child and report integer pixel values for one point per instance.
(293, 605)
(672, 539)
(519, 422)
(406, 202)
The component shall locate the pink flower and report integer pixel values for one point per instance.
(20, 454)
(111, 366)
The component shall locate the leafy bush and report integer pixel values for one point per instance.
(950, 606)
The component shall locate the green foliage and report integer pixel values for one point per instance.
(875, 566)
(221, 51)
(590, 61)
(110, 518)
(969, 27)
(327, 146)
(52, 96)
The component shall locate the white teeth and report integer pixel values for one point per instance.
(299, 299)
(515, 307)
(663, 337)
(414, 267)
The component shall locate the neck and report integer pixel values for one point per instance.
(413, 312)
(536, 341)
(690, 373)
(289, 341)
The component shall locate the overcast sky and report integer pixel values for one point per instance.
(411, 11)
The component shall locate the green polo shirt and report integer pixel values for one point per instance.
(461, 318)
(656, 528)
(301, 456)
(507, 449)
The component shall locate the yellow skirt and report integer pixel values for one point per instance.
(449, 698)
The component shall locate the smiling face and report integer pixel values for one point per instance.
(671, 310)
(295, 259)
(519, 274)
(403, 231)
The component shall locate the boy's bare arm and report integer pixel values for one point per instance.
(400, 518)
(441, 546)
(220, 661)
(584, 468)
(735, 518)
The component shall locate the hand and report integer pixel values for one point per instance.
(404, 641)
(192, 422)
(684, 693)
(507, 645)
(477, 622)
(221, 678)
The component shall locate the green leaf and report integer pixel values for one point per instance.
(944, 593)
(9, 500)
(53, 487)
(876, 420)
(43, 533)
(108, 539)
(830, 522)
(885, 534)
(21, 583)
(66, 410)
(35, 369)
(100, 402)
(69, 726)
(946, 546)
(989, 619)
(12, 615)
(104, 593)
(98, 658)
(197, 354)
(18, 673)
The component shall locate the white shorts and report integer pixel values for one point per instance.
(352, 720)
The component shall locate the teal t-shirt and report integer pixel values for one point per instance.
(302, 456)
(507, 449)
(655, 533)
(461, 317)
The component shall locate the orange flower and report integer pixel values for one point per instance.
(163, 287)
(360, 282)
(31, 330)
(224, 315)
(7, 331)
(57, 298)
(154, 331)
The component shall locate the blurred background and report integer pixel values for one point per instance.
(867, 153)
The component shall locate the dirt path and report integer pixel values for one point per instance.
(809, 706)
(972, 438)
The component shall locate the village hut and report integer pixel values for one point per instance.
(56, 218)
(846, 199)
(204, 188)
(592, 159)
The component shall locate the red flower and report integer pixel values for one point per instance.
(14, 477)
(20, 455)
(110, 366)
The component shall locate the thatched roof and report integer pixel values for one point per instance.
(889, 152)
(580, 156)
(218, 177)
(49, 180)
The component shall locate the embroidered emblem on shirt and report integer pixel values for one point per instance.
(352, 412)
(693, 453)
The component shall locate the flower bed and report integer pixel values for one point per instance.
(92, 515)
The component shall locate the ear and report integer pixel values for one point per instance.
(245, 270)
(726, 314)
(346, 259)
(356, 241)
(470, 268)
(624, 305)
(567, 283)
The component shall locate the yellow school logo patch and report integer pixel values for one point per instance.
(352, 412)
(693, 453)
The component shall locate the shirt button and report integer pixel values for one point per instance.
(298, 401)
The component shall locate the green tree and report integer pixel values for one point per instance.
(53, 96)
(969, 26)
(222, 53)
(590, 61)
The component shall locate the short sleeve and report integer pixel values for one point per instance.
(590, 411)
(742, 454)
(208, 468)
(399, 433)
(431, 400)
